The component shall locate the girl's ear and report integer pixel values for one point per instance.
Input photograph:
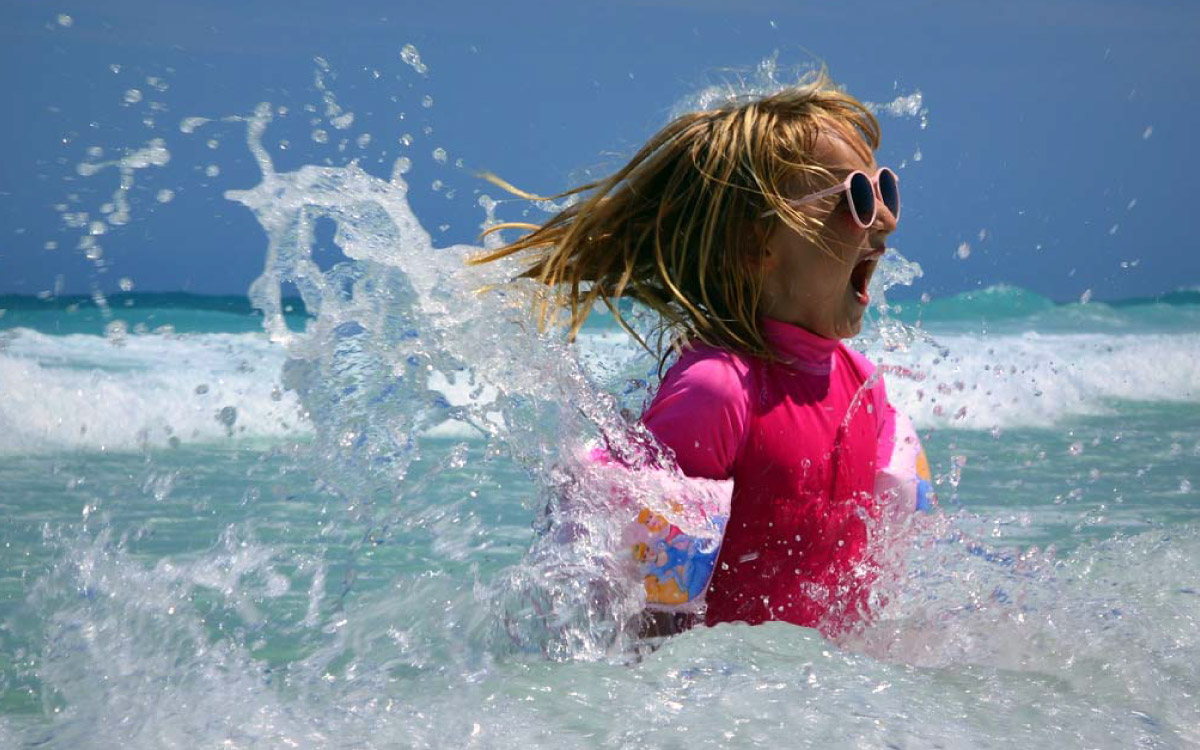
(764, 258)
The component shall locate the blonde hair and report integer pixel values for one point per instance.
(681, 227)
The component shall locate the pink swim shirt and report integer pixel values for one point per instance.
(802, 439)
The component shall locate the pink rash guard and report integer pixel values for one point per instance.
(803, 464)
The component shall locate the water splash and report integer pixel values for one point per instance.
(395, 323)
(117, 212)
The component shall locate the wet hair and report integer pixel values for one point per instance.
(681, 227)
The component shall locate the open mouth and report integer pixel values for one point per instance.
(860, 277)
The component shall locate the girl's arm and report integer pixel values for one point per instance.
(887, 424)
(903, 475)
(700, 413)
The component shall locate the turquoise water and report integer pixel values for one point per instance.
(172, 578)
(359, 521)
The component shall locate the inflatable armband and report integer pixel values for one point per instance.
(675, 567)
(676, 530)
(907, 477)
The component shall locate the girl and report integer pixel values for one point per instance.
(753, 229)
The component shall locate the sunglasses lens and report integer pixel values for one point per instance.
(889, 188)
(862, 198)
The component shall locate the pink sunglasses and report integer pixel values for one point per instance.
(860, 193)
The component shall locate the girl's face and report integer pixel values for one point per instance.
(804, 284)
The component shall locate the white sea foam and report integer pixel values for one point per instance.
(85, 392)
(1031, 379)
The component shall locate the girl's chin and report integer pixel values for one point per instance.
(852, 323)
(852, 330)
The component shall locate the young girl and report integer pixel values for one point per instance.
(753, 229)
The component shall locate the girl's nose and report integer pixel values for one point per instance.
(885, 220)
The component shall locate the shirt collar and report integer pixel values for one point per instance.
(799, 348)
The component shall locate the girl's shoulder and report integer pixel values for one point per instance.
(712, 368)
(701, 410)
(863, 367)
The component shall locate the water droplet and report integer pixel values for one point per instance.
(320, 136)
(1075, 449)
(439, 155)
(427, 102)
(1185, 485)
(401, 167)
(133, 96)
(964, 251)
(1086, 297)
(410, 55)
(75, 220)
(189, 124)
(65, 21)
(227, 416)
(212, 170)
(1149, 131)
(116, 332)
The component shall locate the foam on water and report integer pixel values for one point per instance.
(977, 646)
(94, 393)
(1034, 379)
(87, 392)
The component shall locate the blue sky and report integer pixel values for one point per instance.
(1058, 148)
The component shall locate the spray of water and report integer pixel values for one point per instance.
(398, 322)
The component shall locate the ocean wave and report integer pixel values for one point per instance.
(1003, 308)
(1037, 380)
(94, 393)
(82, 392)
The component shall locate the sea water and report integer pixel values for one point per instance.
(338, 520)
